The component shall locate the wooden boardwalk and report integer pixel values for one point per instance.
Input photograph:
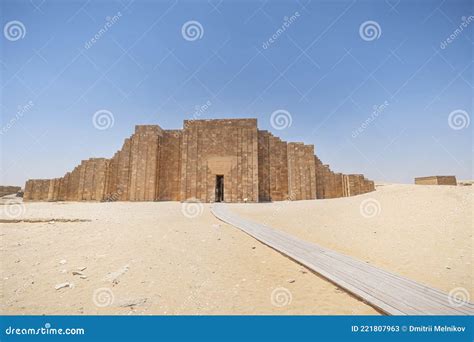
(387, 292)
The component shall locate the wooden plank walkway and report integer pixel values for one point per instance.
(386, 291)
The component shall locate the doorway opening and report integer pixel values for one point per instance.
(219, 188)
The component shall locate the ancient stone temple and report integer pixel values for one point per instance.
(208, 160)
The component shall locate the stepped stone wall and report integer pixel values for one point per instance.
(118, 174)
(177, 165)
(301, 171)
(272, 167)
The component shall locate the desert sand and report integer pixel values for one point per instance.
(156, 258)
(423, 232)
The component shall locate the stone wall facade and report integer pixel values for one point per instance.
(179, 165)
(301, 171)
(272, 168)
(9, 190)
(220, 147)
(436, 180)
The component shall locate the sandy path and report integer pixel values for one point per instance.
(422, 232)
(148, 258)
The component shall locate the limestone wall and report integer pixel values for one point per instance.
(220, 147)
(8, 190)
(264, 166)
(33, 190)
(53, 189)
(319, 178)
(272, 168)
(328, 184)
(436, 180)
(41, 190)
(144, 163)
(118, 174)
(356, 185)
(334, 185)
(325, 173)
(169, 179)
(301, 171)
(63, 187)
(28, 194)
(73, 184)
(279, 181)
(338, 185)
(156, 164)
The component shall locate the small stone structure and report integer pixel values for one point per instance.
(226, 160)
(436, 180)
(9, 190)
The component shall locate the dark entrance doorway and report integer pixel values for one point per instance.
(219, 188)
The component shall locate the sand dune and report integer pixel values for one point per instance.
(151, 258)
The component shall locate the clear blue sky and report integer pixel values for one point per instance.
(319, 69)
